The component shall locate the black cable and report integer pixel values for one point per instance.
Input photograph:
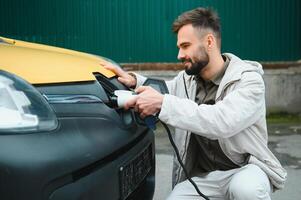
(181, 163)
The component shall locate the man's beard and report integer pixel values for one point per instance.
(197, 66)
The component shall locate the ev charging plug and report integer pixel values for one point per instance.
(122, 96)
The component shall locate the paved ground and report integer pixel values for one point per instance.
(284, 141)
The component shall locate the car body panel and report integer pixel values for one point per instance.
(73, 156)
(41, 64)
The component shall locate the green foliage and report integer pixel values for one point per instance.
(283, 118)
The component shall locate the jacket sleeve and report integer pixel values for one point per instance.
(139, 78)
(240, 108)
(172, 85)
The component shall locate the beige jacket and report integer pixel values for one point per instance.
(237, 120)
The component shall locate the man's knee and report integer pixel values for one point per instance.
(243, 191)
(246, 187)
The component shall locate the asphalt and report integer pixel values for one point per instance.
(284, 141)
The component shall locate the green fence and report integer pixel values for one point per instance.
(140, 30)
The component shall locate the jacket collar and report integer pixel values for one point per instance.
(237, 67)
(235, 70)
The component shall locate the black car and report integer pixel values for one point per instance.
(61, 136)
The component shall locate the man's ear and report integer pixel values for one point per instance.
(210, 41)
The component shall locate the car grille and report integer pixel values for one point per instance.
(134, 172)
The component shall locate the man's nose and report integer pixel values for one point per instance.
(181, 55)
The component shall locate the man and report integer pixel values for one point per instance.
(217, 106)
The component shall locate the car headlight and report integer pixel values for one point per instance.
(22, 108)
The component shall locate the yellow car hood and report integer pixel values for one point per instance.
(42, 64)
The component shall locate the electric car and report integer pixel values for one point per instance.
(61, 135)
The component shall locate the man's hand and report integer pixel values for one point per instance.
(147, 102)
(123, 76)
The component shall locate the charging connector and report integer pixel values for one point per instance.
(123, 96)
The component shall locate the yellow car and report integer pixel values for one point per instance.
(61, 137)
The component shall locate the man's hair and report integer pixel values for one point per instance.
(201, 18)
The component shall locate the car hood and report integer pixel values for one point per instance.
(40, 64)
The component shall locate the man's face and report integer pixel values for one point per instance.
(191, 50)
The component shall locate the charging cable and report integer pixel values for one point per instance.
(181, 163)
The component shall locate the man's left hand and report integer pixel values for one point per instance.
(147, 102)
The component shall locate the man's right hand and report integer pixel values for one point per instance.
(123, 76)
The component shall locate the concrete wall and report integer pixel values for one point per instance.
(283, 87)
(283, 90)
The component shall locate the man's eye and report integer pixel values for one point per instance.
(185, 46)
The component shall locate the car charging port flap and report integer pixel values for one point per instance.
(111, 87)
